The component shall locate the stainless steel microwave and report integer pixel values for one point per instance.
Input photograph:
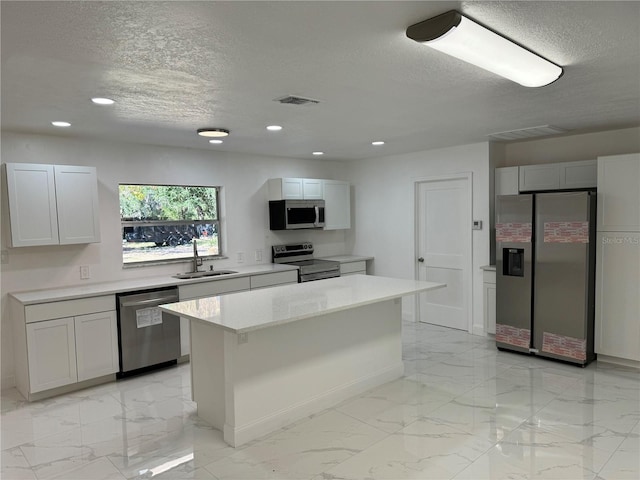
(296, 214)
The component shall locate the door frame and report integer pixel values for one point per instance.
(468, 278)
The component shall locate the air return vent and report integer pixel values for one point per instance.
(293, 100)
(531, 132)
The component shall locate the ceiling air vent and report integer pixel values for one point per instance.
(531, 132)
(293, 100)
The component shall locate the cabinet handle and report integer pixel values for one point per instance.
(421, 259)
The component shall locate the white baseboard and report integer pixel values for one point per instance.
(240, 435)
(619, 361)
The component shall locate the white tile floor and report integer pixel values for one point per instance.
(463, 411)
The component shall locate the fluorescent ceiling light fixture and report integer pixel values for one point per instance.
(102, 101)
(377, 142)
(456, 35)
(317, 153)
(215, 141)
(274, 128)
(60, 124)
(213, 132)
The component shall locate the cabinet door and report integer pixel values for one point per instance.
(77, 204)
(292, 189)
(96, 344)
(506, 181)
(618, 295)
(579, 174)
(32, 204)
(619, 193)
(489, 291)
(51, 351)
(312, 189)
(337, 198)
(539, 177)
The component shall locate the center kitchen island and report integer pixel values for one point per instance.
(263, 359)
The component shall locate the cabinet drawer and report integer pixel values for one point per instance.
(489, 276)
(278, 278)
(353, 267)
(69, 308)
(213, 287)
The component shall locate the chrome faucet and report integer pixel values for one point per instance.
(197, 261)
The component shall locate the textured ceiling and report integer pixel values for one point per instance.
(174, 67)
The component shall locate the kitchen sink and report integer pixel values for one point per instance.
(214, 273)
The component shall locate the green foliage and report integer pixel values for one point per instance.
(167, 202)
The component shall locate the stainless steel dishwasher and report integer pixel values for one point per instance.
(147, 337)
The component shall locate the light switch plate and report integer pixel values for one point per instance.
(5, 257)
(477, 225)
(258, 256)
(85, 272)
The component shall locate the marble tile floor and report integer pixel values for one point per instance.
(462, 411)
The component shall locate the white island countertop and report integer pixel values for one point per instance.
(246, 311)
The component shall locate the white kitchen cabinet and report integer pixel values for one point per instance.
(582, 174)
(618, 295)
(32, 204)
(77, 202)
(273, 279)
(312, 189)
(52, 204)
(62, 343)
(51, 351)
(353, 268)
(619, 193)
(506, 181)
(337, 198)
(295, 189)
(539, 177)
(489, 294)
(558, 176)
(96, 344)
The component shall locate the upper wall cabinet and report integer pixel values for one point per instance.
(295, 189)
(558, 176)
(619, 193)
(506, 181)
(52, 204)
(337, 203)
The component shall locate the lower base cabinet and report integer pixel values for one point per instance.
(489, 294)
(353, 268)
(70, 350)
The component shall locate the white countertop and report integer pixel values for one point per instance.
(347, 258)
(109, 288)
(246, 311)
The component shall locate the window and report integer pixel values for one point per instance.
(160, 222)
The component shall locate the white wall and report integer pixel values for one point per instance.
(245, 211)
(384, 211)
(570, 148)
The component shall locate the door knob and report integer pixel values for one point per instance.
(421, 259)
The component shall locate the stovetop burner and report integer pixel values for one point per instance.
(301, 256)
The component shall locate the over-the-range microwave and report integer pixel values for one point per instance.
(296, 214)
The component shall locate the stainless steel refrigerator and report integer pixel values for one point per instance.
(545, 274)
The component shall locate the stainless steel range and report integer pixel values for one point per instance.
(301, 255)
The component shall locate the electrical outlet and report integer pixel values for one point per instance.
(258, 255)
(240, 257)
(5, 257)
(243, 338)
(85, 272)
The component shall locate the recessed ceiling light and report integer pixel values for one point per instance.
(274, 128)
(216, 141)
(60, 124)
(213, 132)
(317, 153)
(102, 101)
(377, 142)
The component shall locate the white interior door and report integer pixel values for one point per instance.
(443, 240)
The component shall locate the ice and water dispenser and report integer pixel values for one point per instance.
(513, 262)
